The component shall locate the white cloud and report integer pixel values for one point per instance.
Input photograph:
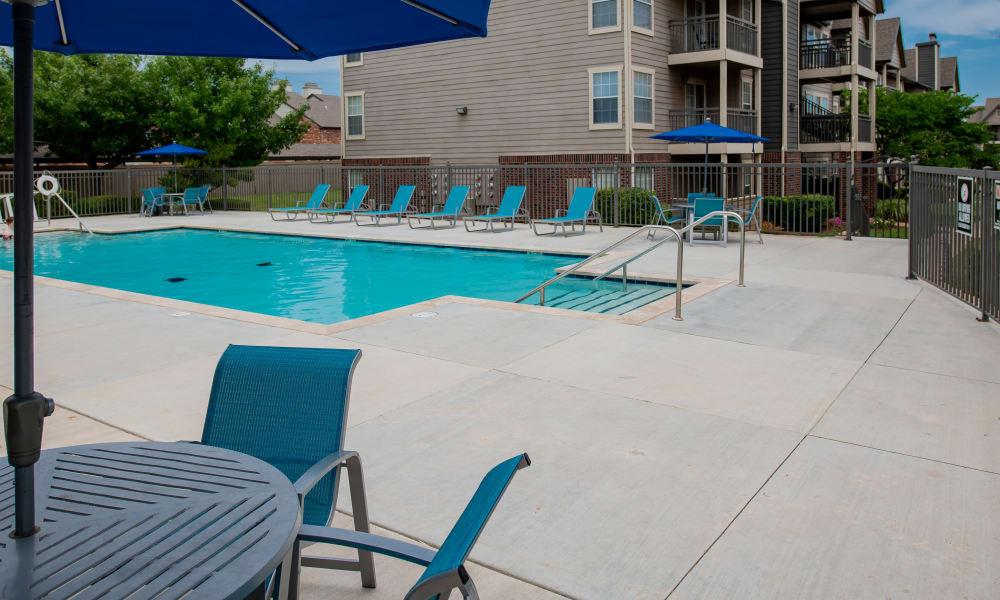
(330, 64)
(978, 18)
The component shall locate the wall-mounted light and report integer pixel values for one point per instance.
(791, 107)
(462, 110)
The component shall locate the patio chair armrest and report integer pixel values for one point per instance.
(560, 212)
(310, 478)
(594, 213)
(437, 207)
(367, 541)
(492, 210)
(384, 206)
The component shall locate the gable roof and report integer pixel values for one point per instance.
(948, 74)
(988, 113)
(888, 35)
(909, 69)
(324, 109)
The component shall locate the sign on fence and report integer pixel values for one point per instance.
(963, 224)
(996, 205)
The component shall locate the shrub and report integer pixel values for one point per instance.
(892, 209)
(806, 213)
(635, 205)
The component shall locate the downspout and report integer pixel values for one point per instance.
(784, 86)
(627, 76)
(343, 114)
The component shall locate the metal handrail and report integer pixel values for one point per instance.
(678, 235)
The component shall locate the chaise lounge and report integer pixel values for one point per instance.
(354, 203)
(580, 211)
(398, 209)
(453, 206)
(315, 201)
(508, 211)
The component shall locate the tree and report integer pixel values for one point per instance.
(932, 126)
(221, 106)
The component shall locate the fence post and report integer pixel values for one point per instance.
(617, 184)
(270, 182)
(909, 215)
(128, 194)
(225, 195)
(987, 216)
(850, 199)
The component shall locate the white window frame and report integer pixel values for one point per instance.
(364, 117)
(652, 18)
(652, 94)
(652, 177)
(743, 81)
(357, 63)
(744, 4)
(591, 30)
(590, 96)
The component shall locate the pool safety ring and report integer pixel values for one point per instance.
(47, 185)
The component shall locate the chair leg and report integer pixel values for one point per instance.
(469, 591)
(359, 505)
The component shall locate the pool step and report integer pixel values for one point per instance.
(608, 299)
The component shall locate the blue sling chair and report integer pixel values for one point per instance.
(203, 198)
(399, 207)
(152, 199)
(354, 203)
(315, 201)
(453, 207)
(508, 211)
(288, 407)
(579, 211)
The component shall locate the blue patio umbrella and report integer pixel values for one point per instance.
(707, 133)
(270, 29)
(173, 150)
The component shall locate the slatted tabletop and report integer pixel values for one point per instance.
(148, 520)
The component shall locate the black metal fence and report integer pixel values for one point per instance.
(955, 236)
(809, 198)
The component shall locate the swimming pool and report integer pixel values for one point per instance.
(311, 279)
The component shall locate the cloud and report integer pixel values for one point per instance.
(324, 65)
(977, 18)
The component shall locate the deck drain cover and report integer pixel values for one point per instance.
(179, 314)
(264, 264)
(424, 315)
(177, 279)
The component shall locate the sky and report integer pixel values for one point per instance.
(969, 29)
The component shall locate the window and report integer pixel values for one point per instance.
(642, 14)
(815, 33)
(642, 97)
(355, 115)
(642, 177)
(605, 177)
(748, 11)
(353, 60)
(603, 16)
(694, 103)
(746, 94)
(355, 177)
(605, 102)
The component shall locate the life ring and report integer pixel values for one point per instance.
(47, 185)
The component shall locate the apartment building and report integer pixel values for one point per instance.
(930, 71)
(587, 81)
(322, 141)
(890, 55)
(989, 114)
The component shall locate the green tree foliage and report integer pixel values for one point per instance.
(932, 126)
(102, 109)
(222, 106)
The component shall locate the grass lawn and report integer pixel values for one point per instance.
(260, 202)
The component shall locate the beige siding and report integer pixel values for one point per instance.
(651, 52)
(526, 88)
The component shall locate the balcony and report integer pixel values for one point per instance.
(818, 125)
(699, 38)
(744, 120)
(832, 57)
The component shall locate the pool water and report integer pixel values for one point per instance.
(311, 279)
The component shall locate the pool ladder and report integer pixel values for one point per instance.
(650, 232)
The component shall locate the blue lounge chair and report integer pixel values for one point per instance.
(508, 211)
(752, 216)
(453, 206)
(288, 407)
(579, 212)
(399, 207)
(660, 218)
(445, 568)
(192, 198)
(354, 203)
(315, 201)
(203, 200)
(703, 207)
(152, 200)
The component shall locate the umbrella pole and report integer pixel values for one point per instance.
(704, 180)
(26, 408)
(175, 175)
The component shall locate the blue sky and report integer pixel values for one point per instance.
(969, 29)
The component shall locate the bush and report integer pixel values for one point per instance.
(895, 210)
(807, 213)
(635, 205)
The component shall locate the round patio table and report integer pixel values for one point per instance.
(148, 520)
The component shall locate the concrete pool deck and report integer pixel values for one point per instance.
(828, 431)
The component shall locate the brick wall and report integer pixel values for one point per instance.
(394, 161)
(772, 179)
(320, 135)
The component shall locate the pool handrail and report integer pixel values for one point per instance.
(623, 266)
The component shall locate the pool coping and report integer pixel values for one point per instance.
(694, 288)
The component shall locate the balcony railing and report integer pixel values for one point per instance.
(741, 35)
(821, 126)
(744, 120)
(833, 52)
(864, 53)
(695, 34)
